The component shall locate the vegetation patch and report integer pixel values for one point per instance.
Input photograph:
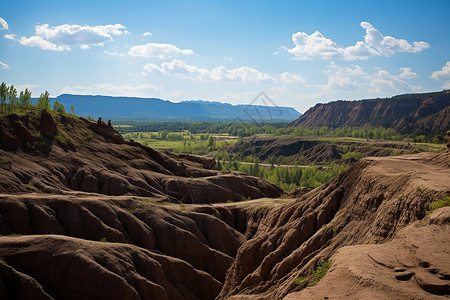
(64, 139)
(438, 204)
(300, 280)
(319, 273)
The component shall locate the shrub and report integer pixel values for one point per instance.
(320, 272)
(300, 280)
(438, 204)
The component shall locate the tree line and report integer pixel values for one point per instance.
(11, 101)
(287, 178)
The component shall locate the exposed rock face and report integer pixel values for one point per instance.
(70, 268)
(107, 131)
(299, 148)
(407, 113)
(90, 157)
(206, 162)
(47, 125)
(414, 265)
(197, 240)
(368, 203)
(104, 219)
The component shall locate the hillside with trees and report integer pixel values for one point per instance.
(419, 114)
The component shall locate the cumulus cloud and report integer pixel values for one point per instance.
(178, 68)
(147, 34)
(316, 45)
(382, 81)
(143, 90)
(3, 24)
(407, 73)
(443, 74)
(387, 45)
(63, 37)
(289, 78)
(162, 51)
(353, 70)
(3, 66)
(10, 37)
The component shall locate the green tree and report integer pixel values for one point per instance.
(3, 94)
(44, 101)
(211, 143)
(59, 107)
(25, 99)
(12, 95)
(72, 109)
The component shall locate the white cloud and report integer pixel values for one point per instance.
(3, 66)
(354, 70)
(37, 41)
(407, 73)
(10, 37)
(178, 68)
(62, 37)
(443, 74)
(289, 78)
(143, 90)
(115, 53)
(3, 24)
(316, 45)
(339, 82)
(147, 34)
(387, 45)
(382, 82)
(162, 51)
(228, 58)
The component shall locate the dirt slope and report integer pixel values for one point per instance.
(57, 154)
(100, 217)
(404, 113)
(310, 149)
(366, 204)
(414, 265)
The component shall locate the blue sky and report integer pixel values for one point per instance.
(298, 52)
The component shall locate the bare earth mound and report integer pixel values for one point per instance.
(367, 204)
(85, 214)
(57, 154)
(414, 265)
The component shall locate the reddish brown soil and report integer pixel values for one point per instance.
(62, 154)
(367, 204)
(420, 113)
(96, 220)
(414, 265)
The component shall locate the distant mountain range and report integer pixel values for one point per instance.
(153, 109)
(410, 113)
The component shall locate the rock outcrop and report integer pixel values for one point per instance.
(368, 203)
(60, 154)
(84, 216)
(414, 265)
(411, 113)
